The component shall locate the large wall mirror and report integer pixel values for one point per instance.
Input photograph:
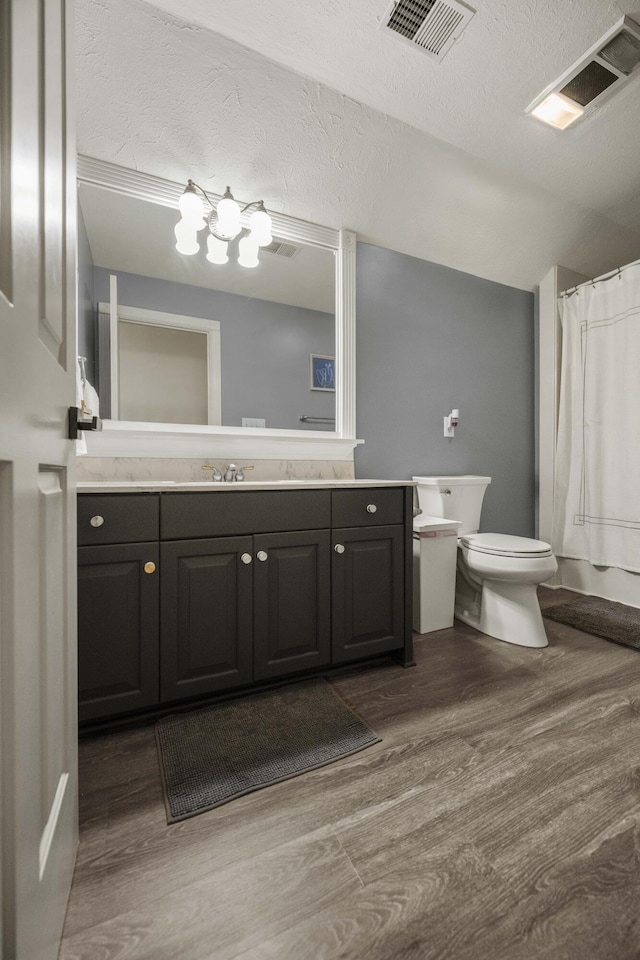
(212, 350)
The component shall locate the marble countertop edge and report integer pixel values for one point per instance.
(179, 486)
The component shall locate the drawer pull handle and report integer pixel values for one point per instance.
(96, 521)
(262, 555)
(246, 558)
(371, 508)
(339, 548)
(150, 567)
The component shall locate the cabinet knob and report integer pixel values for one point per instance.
(262, 555)
(96, 521)
(339, 548)
(149, 567)
(246, 558)
(371, 508)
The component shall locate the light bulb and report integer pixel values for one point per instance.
(216, 250)
(191, 208)
(558, 111)
(248, 252)
(260, 223)
(186, 240)
(228, 214)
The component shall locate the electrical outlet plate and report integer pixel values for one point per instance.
(449, 431)
(253, 422)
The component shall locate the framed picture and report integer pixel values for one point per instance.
(323, 372)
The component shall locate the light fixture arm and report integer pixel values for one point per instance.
(192, 186)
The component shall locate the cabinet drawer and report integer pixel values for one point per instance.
(125, 518)
(186, 516)
(362, 508)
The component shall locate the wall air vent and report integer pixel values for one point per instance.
(602, 70)
(431, 25)
(281, 249)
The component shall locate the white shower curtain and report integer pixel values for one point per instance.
(597, 488)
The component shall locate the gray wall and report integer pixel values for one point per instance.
(87, 320)
(430, 339)
(265, 346)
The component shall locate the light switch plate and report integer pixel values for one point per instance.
(253, 422)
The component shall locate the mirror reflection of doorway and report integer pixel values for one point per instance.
(163, 374)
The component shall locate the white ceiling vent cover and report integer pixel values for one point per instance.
(281, 249)
(432, 25)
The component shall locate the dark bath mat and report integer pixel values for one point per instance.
(212, 755)
(604, 618)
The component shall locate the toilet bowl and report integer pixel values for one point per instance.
(497, 574)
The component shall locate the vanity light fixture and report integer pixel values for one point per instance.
(223, 221)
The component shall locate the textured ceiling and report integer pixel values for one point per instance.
(351, 128)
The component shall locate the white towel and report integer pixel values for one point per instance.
(91, 401)
(81, 442)
(88, 404)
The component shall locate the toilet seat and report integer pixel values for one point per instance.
(504, 545)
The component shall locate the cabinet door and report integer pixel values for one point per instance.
(292, 602)
(207, 613)
(367, 591)
(117, 629)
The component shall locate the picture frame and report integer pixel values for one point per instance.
(322, 370)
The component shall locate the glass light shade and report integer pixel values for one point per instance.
(216, 250)
(186, 239)
(260, 223)
(557, 111)
(228, 213)
(248, 252)
(191, 209)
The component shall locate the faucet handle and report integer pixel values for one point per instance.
(241, 470)
(215, 473)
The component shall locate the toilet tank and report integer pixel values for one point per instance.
(456, 498)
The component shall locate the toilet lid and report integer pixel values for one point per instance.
(503, 545)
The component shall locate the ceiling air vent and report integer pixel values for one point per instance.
(431, 25)
(281, 249)
(602, 70)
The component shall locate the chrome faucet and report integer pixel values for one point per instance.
(230, 472)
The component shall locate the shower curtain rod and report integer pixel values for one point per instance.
(605, 276)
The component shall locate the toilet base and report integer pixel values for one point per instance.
(507, 611)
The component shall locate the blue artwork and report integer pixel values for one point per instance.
(323, 372)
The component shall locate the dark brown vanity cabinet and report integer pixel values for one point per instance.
(246, 586)
(367, 592)
(117, 604)
(292, 603)
(238, 609)
(206, 638)
(368, 583)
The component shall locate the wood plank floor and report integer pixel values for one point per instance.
(497, 820)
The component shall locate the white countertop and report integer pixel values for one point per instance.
(169, 486)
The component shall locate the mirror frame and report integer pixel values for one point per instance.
(130, 438)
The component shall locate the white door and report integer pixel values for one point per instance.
(38, 770)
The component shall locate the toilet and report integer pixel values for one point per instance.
(497, 574)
